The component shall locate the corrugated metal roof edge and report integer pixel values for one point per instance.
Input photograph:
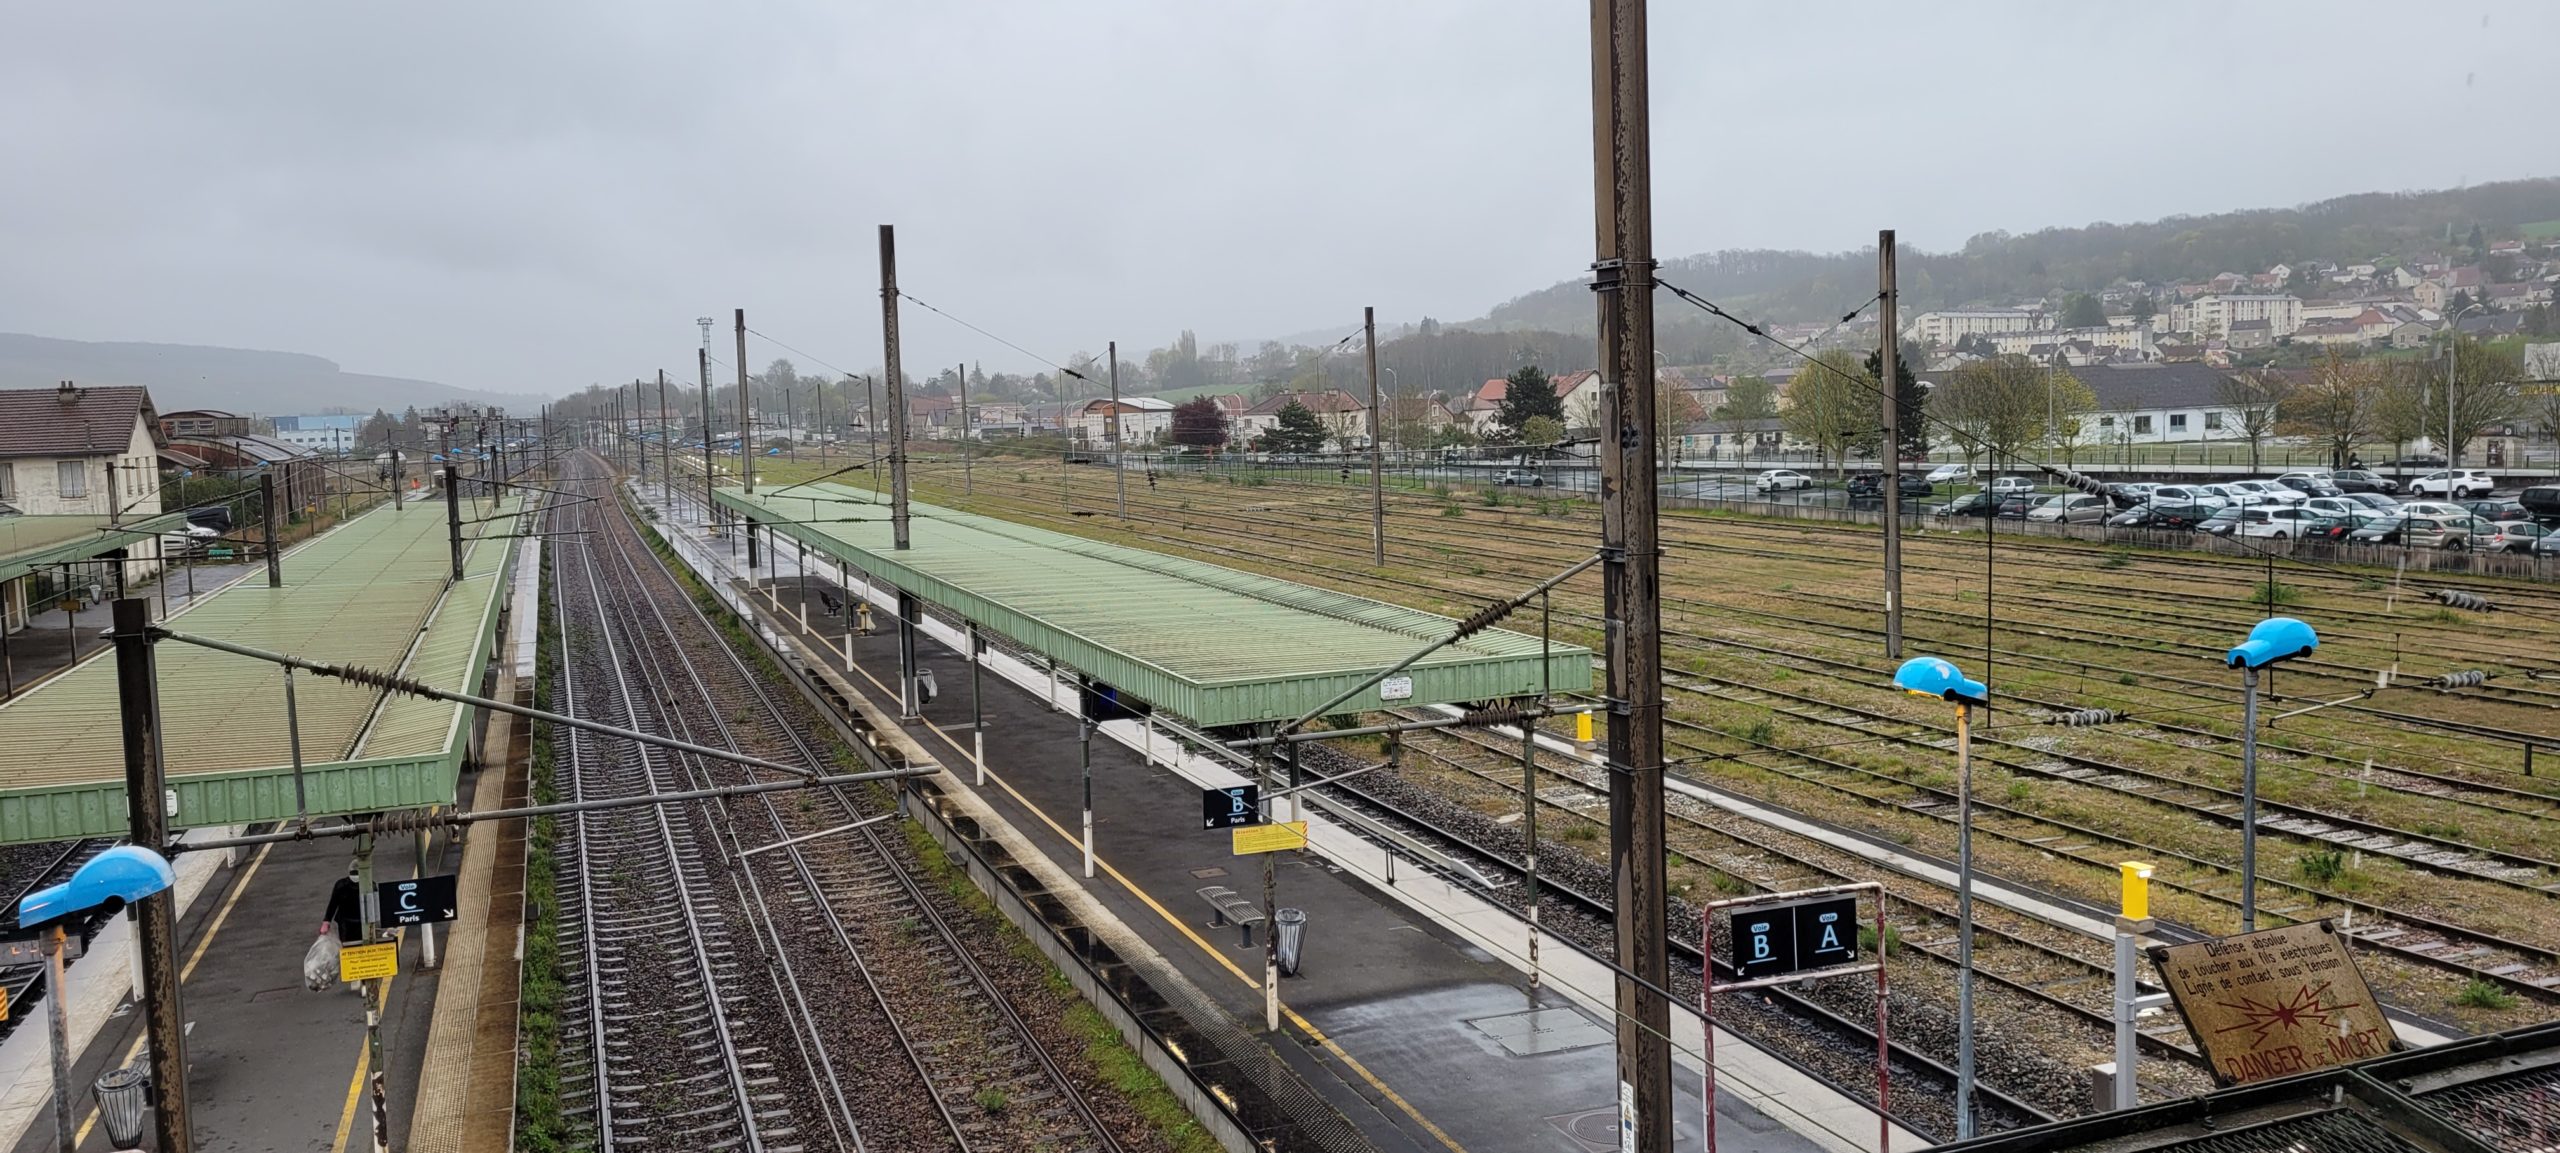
(489, 604)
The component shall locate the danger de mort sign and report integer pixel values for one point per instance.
(2275, 1002)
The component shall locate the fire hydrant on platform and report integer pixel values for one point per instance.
(862, 618)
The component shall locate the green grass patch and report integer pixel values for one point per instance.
(2322, 866)
(2273, 593)
(541, 1125)
(2541, 230)
(2480, 994)
(1867, 939)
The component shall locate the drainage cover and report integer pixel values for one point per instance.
(1540, 1031)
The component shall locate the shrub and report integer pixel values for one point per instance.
(1867, 939)
(2273, 593)
(2479, 993)
(2322, 866)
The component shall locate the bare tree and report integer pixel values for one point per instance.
(1831, 404)
(2400, 403)
(2486, 392)
(2253, 398)
(2338, 408)
(2003, 404)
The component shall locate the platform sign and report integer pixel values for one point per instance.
(1774, 940)
(1271, 838)
(417, 901)
(366, 962)
(1397, 688)
(2275, 1002)
(1232, 807)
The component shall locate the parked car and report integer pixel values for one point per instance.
(2276, 522)
(2014, 506)
(2379, 502)
(2187, 496)
(2006, 485)
(2417, 460)
(2330, 506)
(189, 539)
(1526, 478)
(1981, 504)
(2318, 474)
(2548, 546)
(2358, 480)
(2133, 492)
(2433, 508)
(2225, 521)
(2541, 502)
(1950, 473)
(1781, 479)
(2417, 531)
(2156, 516)
(1870, 486)
(2335, 528)
(2070, 508)
(2513, 536)
(2309, 485)
(2496, 510)
(2271, 491)
(2458, 483)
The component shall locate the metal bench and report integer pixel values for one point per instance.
(1226, 907)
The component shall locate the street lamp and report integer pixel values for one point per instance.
(2452, 356)
(116, 877)
(2273, 639)
(1933, 677)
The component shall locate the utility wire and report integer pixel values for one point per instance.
(910, 297)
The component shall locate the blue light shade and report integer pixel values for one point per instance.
(1932, 677)
(2274, 639)
(124, 871)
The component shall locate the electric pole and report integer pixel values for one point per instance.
(1119, 459)
(1888, 359)
(709, 514)
(896, 387)
(154, 917)
(1631, 567)
(666, 453)
(746, 416)
(968, 432)
(1377, 485)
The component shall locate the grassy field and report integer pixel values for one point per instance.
(1771, 639)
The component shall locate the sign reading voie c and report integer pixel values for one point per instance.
(417, 901)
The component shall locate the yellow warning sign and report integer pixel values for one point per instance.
(1270, 838)
(366, 962)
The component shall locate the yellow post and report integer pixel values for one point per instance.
(1582, 728)
(2137, 889)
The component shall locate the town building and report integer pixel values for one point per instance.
(1345, 419)
(2158, 402)
(1947, 327)
(2214, 315)
(1143, 420)
(74, 451)
(332, 433)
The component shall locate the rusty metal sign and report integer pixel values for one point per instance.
(2275, 1002)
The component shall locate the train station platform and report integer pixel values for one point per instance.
(376, 592)
(1411, 1014)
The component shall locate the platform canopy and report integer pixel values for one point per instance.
(28, 543)
(1210, 644)
(372, 592)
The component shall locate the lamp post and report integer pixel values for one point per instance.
(2273, 639)
(2452, 356)
(121, 875)
(1933, 677)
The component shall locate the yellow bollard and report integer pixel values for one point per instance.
(2137, 889)
(1582, 728)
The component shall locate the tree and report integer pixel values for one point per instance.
(2400, 403)
(2338, 408)
(1298, 431)
(1541, 431)
(1911, 404)
(1527, 393)
(2143, 310)
(2485, 392)
(2254, 399)
(1833, 405)
(2478, 243)
(1747, 401)
(2460, 303)
(1200, 423)
(2000, 404)
(2081, 310)
(2538, 321)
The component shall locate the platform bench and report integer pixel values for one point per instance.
(1226, 907)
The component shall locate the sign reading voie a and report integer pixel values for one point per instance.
(1774, 940)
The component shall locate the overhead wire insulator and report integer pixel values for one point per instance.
(2083, 482)
(2466, 679)
(2088, 718)
(2463, 600)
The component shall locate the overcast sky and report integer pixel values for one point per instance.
(531, 196)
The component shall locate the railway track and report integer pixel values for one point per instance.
(23, 870)
(884, 1029)
(2432, 942)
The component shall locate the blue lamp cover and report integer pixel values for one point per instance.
(1934, 677)
(2274, 639)
(125, 871)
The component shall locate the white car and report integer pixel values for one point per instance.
(2070, 508)
(2333, 506)
(2187, 495)
(1950, 473)
(2435, 509)
(2278, 521)
(2272, 491)
(2322, 475)
(1781, 479)
(2011, 486)
(2458, 483)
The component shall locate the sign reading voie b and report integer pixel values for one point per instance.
(1230, 807)
(1774, 940)
(2274, 1002)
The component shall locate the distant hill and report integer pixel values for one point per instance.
(1997, 267)
(239, 380)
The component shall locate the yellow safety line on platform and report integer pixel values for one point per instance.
(1184, 927)
(203, 943)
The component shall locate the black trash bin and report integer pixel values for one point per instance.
(1291, 926)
